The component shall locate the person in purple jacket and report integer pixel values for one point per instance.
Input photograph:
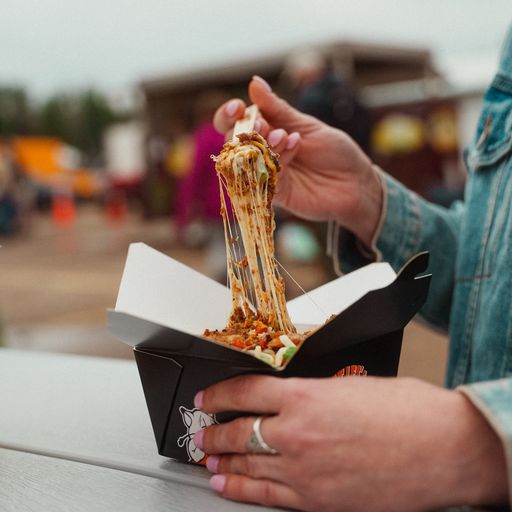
(198, 194)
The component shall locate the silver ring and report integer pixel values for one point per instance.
(256, 443)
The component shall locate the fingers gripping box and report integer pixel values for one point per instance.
(164, 306)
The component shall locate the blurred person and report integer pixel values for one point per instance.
(5, 171)
(198, 193)
(325, 94)
(375, 443)
(9, 211)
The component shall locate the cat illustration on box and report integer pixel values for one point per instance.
(194, 420)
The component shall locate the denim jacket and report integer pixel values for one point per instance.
(470, 247)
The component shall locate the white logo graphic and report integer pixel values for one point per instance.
(194, 421)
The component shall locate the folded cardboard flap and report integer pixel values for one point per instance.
(160, 382)
(147, 336)
(415, 267)
(316, 306)
(378, 312)
(159, 289)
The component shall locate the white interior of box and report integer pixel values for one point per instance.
(159, 289)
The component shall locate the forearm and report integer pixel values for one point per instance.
(366, 221)
(480, 474)
(493, 399)
(460, 461)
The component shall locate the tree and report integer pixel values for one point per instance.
(15, 112)
(80, 120)
(95, 116)
(54, 118)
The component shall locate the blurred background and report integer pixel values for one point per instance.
(105, 135)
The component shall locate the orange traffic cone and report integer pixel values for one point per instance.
(116, 208)
(63, 210)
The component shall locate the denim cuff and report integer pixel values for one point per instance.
(493, 399)
(400, 234)
(346, 251)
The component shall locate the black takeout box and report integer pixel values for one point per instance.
(164, 306)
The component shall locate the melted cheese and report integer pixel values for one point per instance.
(247, 173)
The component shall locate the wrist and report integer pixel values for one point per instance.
(480, 477)
(366, 219)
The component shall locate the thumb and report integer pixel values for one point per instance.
(276, 111)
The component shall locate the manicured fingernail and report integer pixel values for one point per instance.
(232, 107)
(262, 82)
(275, 137)
(198, 439)
(218, 482)
(198, 400)
(212, 463)
(257, 125)
(293, 139)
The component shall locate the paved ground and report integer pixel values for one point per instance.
(55, 286)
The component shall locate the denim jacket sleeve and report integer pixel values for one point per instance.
(410, 225)
(492, 399)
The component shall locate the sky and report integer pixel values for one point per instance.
(52, 45)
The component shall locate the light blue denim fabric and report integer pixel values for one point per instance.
(470, 248)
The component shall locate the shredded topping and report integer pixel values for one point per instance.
(259, 340)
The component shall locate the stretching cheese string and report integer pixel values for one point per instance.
(245, 170)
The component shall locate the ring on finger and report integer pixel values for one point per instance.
(256, 443)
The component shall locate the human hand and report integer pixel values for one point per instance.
(325, 174)
(352, 444)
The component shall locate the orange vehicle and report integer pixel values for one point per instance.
(51, 163)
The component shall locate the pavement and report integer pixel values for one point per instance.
(56, 285)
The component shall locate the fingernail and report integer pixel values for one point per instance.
(262, 82)
(198, 439)
(218, 482)
(257, 125)
(198, 400)
(212, 463)
(275, 137)
(231, 108)
(293, 139)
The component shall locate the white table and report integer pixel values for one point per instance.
(75, 435)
